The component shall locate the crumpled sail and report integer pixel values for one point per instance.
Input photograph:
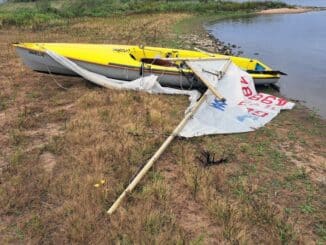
(148, 84)
(244, 110)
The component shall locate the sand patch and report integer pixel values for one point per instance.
(285, 11)
(313, 163)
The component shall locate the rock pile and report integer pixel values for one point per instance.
(209, 43)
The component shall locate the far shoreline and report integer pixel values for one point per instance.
(214, 44)
(296, 10)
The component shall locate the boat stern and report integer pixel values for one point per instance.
(35, 57)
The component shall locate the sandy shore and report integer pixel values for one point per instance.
(286, 10)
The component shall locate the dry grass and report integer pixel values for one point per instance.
(57, 144)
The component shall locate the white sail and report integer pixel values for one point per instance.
(244, 109)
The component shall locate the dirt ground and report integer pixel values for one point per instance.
(57, 142)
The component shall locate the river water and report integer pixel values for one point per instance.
(293, 43)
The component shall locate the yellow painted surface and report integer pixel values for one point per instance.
(131, 56)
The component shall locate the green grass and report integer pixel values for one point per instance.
(45, 13)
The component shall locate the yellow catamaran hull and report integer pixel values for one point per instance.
(131, 62)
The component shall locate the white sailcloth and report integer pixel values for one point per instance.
(244, 109)
(148, 84)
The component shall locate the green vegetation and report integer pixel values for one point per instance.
(43, 13)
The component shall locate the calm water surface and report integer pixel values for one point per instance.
(316, 3)
(293, 43)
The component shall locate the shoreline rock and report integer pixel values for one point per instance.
(207, 42)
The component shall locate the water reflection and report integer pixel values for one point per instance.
(295, 44)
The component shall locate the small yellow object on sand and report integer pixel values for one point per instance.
(97, 185)
(102, 181)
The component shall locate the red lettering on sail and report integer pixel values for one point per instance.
(257, 113)
(281, 102)
(268, 99)
(244, 81)
(260, 113)
(256, 97)
(246, 91)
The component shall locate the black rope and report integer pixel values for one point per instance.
(141, 71)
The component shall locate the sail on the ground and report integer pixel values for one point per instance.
(244, 110)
